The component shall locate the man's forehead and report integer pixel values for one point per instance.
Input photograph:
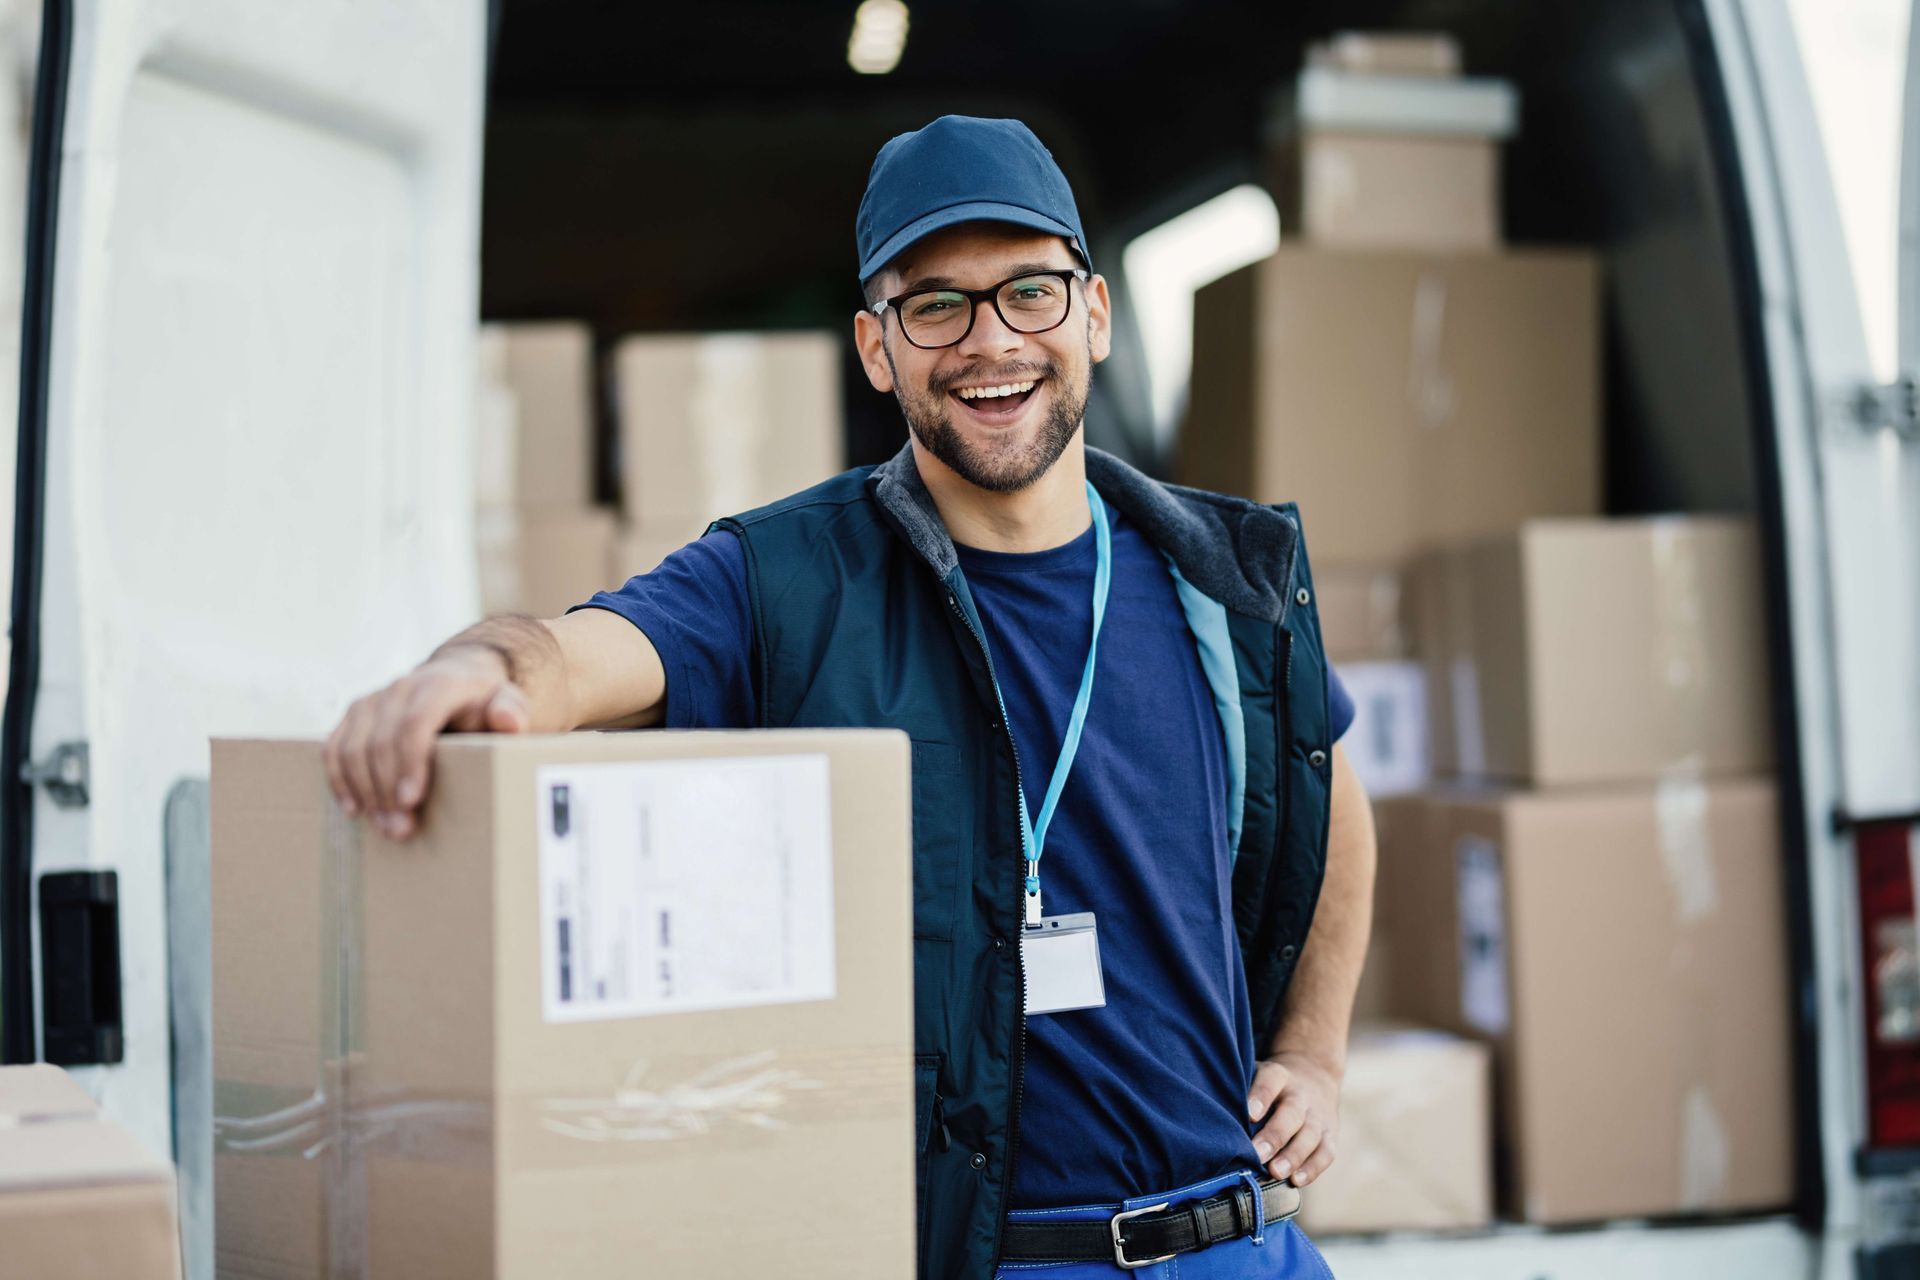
(979, 249)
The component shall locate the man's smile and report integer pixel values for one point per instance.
(995, 403)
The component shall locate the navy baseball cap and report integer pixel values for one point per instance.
(961, 169)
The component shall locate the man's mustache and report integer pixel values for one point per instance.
(983, 377)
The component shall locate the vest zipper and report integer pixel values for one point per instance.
(1019, 1073)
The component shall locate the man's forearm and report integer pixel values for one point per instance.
(1320, 998)
(533, 660)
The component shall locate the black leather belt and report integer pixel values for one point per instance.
(1141, 1237)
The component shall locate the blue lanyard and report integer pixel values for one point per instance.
(1033, 836)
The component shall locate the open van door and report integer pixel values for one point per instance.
(244, 486)
(1838, 377)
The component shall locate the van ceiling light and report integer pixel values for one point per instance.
(879, 36)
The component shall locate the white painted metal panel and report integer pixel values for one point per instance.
(258, 456)
(1851, 584)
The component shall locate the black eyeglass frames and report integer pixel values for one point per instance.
(1031, 302)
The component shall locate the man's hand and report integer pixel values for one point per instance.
(1300, 1099)
(380, 754)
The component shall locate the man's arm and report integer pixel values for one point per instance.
(1297, 1087)
(589, 669)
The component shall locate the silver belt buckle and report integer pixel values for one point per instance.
(1119, 1246)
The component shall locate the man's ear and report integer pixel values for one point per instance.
(870, 336)
(1099, 319)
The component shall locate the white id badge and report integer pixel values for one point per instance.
(1062, 959)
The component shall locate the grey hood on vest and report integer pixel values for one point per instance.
(1239, 552)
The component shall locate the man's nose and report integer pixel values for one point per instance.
(990, 338)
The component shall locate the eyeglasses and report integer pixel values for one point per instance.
(1031, 303)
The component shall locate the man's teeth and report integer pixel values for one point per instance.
(988, 393)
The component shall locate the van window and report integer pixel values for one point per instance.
(1166, 264)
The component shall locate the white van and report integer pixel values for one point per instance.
(253, 272)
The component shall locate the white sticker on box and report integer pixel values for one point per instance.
(668, 886)
(1387, 742)
(1480, 899)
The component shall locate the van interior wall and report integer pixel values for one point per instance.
(695, 168)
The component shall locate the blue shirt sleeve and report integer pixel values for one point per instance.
(1339, 705)
(694, 610)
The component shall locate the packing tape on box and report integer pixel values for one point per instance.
(1706, 1152)
(1679, 642)
(1686, 844)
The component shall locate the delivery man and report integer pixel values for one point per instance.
(1123, 748)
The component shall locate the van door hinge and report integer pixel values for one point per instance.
(64, 774)
(1869, 407)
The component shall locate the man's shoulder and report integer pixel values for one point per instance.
(1240, 552)
(835, 493)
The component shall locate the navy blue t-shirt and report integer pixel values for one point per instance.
(1149, 1092)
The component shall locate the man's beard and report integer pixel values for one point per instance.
(1012, 468)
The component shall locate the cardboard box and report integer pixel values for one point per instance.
(541, 562)
(1362, 616)
(1625, 951)
(1402, 399)
(548, 366)
(711, 425)
(1392, 53)
(1416, 1137)
(80, 1199)
(1578, 651)
(1387, 742)
(1388, 191)
(618, 982)
(1390, 161)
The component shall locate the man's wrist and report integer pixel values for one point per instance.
(499, 652)
(1329, 1053)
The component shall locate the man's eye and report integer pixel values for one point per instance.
(928, 308)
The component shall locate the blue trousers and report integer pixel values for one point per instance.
(1285, 1253)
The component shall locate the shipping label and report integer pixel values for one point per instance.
(668, 886)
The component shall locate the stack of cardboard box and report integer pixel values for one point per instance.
(542, 542)
(1595, 889)
(617, 982)
(1396, 371)
(1589, 893)
(712, 425)
(80, 1199)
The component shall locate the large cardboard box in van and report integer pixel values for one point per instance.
(711, 425)
(1402, 399)
(1580, 651)
(80, 1199)
(627, 996)
(1625, 952)
(1416, 1136)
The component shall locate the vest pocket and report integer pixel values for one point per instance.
(942, 828)
(929, 1126)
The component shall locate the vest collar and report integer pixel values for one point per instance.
(1238, 552)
